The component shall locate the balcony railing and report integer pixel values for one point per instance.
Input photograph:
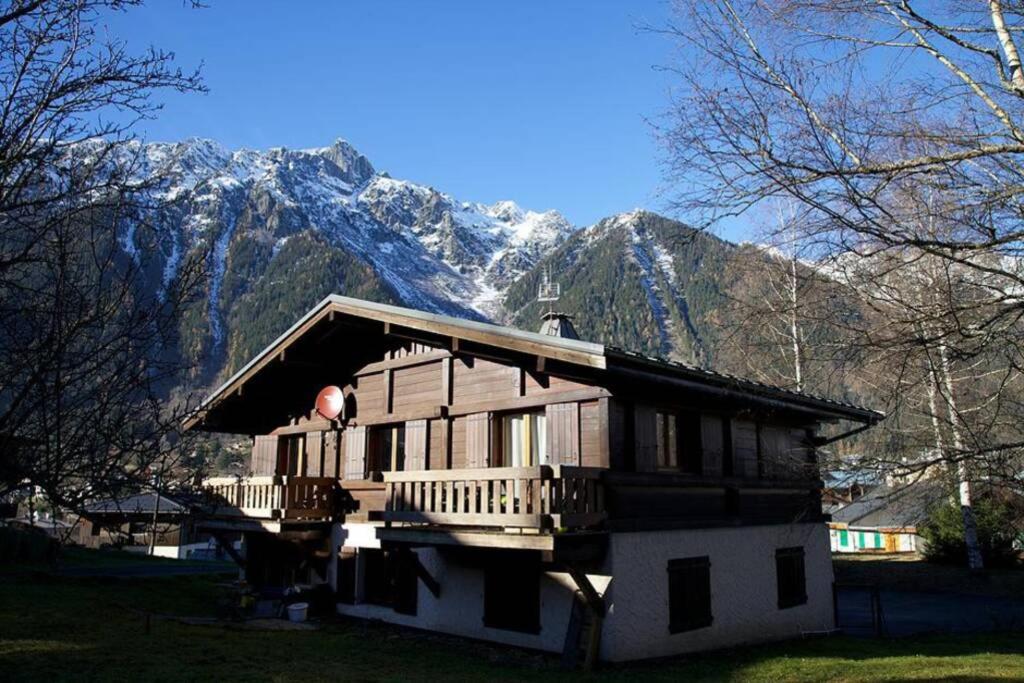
(271, 497)
(547, 497)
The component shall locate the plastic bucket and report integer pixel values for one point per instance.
(297, 611)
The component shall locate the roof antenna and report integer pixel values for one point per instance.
(549, 292)
(554, 324)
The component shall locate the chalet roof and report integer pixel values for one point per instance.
(590, 355)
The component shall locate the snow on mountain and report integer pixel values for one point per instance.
(434, 251)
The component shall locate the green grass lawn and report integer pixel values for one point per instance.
(56, 629)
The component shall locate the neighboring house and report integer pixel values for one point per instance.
(842, 487)
(886, 520)
(524, 488)
(129, 523)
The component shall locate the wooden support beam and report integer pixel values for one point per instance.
(594, 599)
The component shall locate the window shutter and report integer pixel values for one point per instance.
(563, 430)
(314, 454)
(416, 445)
(790, 578)
(478, 440)
(712, 446)
(264, 455)
(355, 453)
(689, 594)
(646, 432)
(744, 446)
(330, 439)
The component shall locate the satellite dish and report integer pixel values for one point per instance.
(330, 402)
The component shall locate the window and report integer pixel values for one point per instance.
(689, 594)
(679, 442)
(512, 592)
(290, 452)
(386, 449)
(668, 447)
(789, 573)
(523, 440)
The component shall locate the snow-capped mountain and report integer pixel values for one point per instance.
(278, 230)
(408, 243)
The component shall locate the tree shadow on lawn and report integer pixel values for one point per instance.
(55, 629)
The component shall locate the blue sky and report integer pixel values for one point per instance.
(545, 103)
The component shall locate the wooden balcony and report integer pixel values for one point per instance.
(274, 499)
(547, 498)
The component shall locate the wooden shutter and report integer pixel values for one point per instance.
(712, 446)
(264, 455)
(355, 453)
(478, 440)
(330, 440)
(744, 447)
(563, 433)
(416, 445)
(314, 454)
(646, 431)
(689, 594)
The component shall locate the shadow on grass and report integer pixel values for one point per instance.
(57, 629)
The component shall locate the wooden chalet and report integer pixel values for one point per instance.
(528, 488)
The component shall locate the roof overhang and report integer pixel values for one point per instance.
(335, 309)
(321, 362)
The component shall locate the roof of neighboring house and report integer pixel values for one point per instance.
(595, 357)
(836, 479)
(891, 507)
(142, 503)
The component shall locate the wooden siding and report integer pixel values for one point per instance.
(416, 386)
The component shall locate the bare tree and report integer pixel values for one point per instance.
(859, 112)
(86, 339)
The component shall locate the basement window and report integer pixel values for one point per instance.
(789, 573)
(689, 594)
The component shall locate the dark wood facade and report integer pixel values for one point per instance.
(457, 425)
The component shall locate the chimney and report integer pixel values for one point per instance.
(555, 324)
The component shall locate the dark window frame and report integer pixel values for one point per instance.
(689, 594)
(791, 577)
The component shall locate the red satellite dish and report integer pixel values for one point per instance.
(330, 402)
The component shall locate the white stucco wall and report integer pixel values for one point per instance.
(744, 600)
(743, 592)
(460, 608)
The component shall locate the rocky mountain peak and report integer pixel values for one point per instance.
(355, 168)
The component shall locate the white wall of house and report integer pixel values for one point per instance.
(459, 610)
(744, 596)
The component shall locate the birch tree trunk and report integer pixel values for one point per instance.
(974, 558)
